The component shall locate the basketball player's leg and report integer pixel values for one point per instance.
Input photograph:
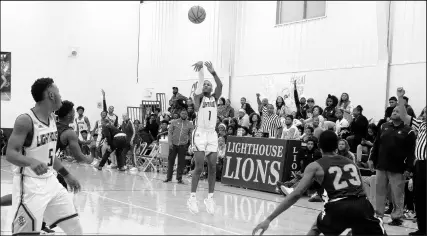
(332, 220)
(211, 149)
(364, 221)
(6, 200)
(30, 198)
(61, 211)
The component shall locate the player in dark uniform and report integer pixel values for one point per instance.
(347, 207)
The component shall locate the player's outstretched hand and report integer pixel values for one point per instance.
(198, 66)
(39, 167)
(73, 184)
(209, 66)
(263, 226)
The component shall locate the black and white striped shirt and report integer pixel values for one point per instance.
(270, 124)
(420, 147)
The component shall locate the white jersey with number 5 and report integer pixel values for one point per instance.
(43, 146)
(207, 114)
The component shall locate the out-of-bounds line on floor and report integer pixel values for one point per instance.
(166, 214)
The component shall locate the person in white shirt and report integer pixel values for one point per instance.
(243, 118)
(290, 131)
(341, 123)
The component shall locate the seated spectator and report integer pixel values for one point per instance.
(358, 128)
(175, 116)
(224, 109)
(329, 125)
(308, 133)
(152, 125)
(243, 118)
(344, 150)
(146, 136)
(232, 113)
(243, 131)
(191, 114)
(246, 106)
(345, 105)
(85, 140)
(163, 131)
(255, 125)
(342, 124)
(290, 131)
(231, 131)
(317, 111)
(222, 130)
(317, 128)
(329, 112)
(221, 154)
(233, 122)
(365, 146)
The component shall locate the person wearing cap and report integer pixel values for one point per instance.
(243, 118)
(175, 97)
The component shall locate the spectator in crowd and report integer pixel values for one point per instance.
(308, 133)
(245, 131)
(114, 119)
(329, 125)
(191, 114)
(231, 131)
(221, 155)
(271, 123)
(163, 131)
(408, 107)
(152, 126)
(392, 156)
(367, 143)
(317, 111)
(167, 117)
(179, 105)
(157, 111)
(174, 98)
(262, 106)
(85, 140)
(190, 102)
(145, 135)
(345, 105)
(222, 130)
(175, 115)
(419, 182)
(246, 106)
(243, 118)
(179, 136)
(317, 129)
(344, 150)
(329, 112)
(281, 109)
(342, 124)
(290, 131)
(393, 103)
(310, 106)
(224, 109)
(358, 128)
(82, 122)
(232, 113)
(255, 125)
(233, 122)
(300, 104)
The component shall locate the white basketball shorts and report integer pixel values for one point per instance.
(205, 141)
(36, 200)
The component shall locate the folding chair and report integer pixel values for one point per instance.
(137, 154)
(149, 158)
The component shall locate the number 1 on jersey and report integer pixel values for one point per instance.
(210, 113)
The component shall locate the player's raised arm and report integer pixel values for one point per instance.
(306, 181)
(198, 67)
(218, 90)
(402, 109)
(73, 143)
(22, 128)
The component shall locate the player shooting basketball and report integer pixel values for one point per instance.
(205, 138)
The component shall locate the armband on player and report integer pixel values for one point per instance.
(63, 172)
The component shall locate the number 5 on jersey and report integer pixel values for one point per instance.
(340, 183)
(50, 157)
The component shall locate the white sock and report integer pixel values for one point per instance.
(193, 195)
(210, 195)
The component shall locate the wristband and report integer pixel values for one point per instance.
(213, 73)
(63, 172)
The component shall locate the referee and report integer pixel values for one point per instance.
(270, 123)
(420, 163)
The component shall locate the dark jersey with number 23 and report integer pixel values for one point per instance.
(342, 177)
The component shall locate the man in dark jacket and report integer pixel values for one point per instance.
(393, 157)
(129, 129)
(115, 141)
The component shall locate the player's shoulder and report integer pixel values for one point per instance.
(24, 122)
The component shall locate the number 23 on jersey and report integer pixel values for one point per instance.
(340, 183)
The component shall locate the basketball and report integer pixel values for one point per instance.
(197, 14)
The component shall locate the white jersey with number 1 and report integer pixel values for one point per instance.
(207, 114)
(43, 146)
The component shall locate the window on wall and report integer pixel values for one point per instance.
(292, 11)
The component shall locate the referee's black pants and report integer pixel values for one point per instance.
(420, 194)
(119, 143)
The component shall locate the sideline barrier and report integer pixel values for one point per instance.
(258, 163)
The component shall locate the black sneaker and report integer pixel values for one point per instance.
(166, 180)
(396, 222)
(180, 181)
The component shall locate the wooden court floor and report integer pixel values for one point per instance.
(115, 202)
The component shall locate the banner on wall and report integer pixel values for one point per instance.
(6, 64)
(255, 163)
(292, 165)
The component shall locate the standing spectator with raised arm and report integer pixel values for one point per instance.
(114, 119)
(300, 104)
(420, 163)
(262, 105)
